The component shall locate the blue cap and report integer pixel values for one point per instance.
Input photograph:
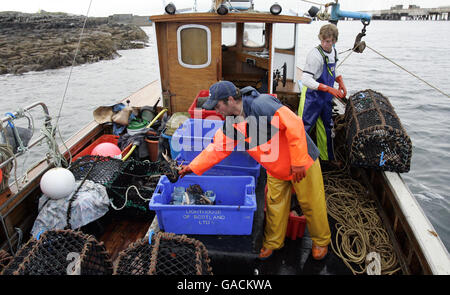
(218, 91)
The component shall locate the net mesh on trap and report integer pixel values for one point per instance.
(96, 168)
(375, 137)
(5, 259)
(61, 252)
(131, 189)
(168, 254)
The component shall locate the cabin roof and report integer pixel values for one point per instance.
(244, 17)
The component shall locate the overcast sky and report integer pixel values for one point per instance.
(149, 7)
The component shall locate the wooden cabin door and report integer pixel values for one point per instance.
(194, 61)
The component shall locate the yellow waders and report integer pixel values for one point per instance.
(321, 135)
(311, 197)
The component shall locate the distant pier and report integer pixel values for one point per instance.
(412, 12)
(130, 19)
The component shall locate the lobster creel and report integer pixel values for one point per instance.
(61, 252)
(167, 254)
(375, 138)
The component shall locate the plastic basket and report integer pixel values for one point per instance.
(232, 213)
(104, 138)
(199, 113)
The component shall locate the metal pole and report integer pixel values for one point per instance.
(6, 234)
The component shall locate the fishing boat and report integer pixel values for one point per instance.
(192, 56)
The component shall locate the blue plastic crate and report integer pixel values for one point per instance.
(232, 213)
(194, 135)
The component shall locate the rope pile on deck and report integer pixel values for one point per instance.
(359, 228)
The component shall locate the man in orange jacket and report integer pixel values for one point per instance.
(275, 137)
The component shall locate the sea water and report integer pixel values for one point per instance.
(422, 47)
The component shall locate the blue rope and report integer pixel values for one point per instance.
(150, 234)
(9, 122)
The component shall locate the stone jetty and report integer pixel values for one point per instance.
(37, 42)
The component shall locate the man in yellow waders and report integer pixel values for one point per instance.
(287, 153)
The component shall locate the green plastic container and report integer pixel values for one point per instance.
(136, 126)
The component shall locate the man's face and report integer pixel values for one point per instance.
(223, 108)
(327, 43)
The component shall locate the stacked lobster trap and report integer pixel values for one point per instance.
(69, 252)
(375, 137)
(61, 252)
(164, 254)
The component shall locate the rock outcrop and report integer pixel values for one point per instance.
(36, 42)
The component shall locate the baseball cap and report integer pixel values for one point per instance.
(218, 91)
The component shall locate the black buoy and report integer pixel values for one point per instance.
(275, 9)
(313, 11)
(222, 9)
(170, 8)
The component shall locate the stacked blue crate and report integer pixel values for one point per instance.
(196, 134)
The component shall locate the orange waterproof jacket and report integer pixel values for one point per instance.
(271, 133)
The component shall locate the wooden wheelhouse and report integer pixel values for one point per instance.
(196, 50)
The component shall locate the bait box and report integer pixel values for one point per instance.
(232, 213)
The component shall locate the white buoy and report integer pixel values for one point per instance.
(57, 183)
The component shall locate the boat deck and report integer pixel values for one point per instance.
(239, 254)
(120, 233)
(235, 255)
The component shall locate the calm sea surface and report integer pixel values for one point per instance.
(421, 47)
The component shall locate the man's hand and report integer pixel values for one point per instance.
(298, 173)
(341, 85)
(331, 90)
(185, 170)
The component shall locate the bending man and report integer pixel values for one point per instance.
(271, 135)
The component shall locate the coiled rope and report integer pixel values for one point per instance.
(359, 229)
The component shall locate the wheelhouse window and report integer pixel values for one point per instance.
(284, 36)
(254, 35)
(229, 34)
(194, 46)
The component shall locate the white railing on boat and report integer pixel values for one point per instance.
(431, 245)
(19, 114)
